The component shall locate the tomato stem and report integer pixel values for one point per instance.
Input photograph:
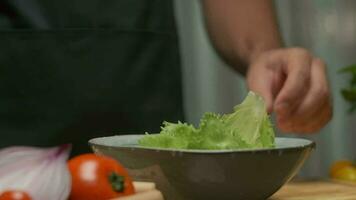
(117, 182)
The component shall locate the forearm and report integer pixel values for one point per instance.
(241, 29)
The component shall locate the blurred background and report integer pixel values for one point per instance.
(326, 27)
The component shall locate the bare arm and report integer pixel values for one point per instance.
(241, 29)
(292, 81)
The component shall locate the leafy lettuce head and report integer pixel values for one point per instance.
(247, 127)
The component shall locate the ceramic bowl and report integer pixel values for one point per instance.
(209, 174)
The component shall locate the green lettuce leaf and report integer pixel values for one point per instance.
(248, 126)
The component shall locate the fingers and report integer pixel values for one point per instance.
(315, 109)
(259, 81)
(320, 120)
(262, 87)
(297, 69)
(319, 90)
(309, 126)
(294, 86)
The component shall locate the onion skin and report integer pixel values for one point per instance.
(28, 169)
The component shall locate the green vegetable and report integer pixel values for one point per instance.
(247, 127)
(349, 92)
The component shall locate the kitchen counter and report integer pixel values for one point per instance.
(317, 190)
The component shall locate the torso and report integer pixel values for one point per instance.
(73, 71)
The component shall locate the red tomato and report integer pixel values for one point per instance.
(98, 177)
(14, 195)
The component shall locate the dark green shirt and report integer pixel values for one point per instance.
(74, 70)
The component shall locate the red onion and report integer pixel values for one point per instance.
(41, 172)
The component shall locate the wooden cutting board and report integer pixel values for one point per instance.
(316, 190)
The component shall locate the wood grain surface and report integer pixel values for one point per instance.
(317, 190)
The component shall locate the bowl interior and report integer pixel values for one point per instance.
(209, 174)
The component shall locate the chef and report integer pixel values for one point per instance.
(74, 70)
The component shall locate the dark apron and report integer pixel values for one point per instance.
(74, 70)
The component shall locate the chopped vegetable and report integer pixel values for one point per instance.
(247, 127)
(147, 195)
(141, 186)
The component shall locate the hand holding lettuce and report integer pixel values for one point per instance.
(247, 127)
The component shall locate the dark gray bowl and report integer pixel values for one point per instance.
(205, 174)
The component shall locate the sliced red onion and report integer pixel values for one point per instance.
(41, 172)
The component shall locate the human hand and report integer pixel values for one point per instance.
(294, 86)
